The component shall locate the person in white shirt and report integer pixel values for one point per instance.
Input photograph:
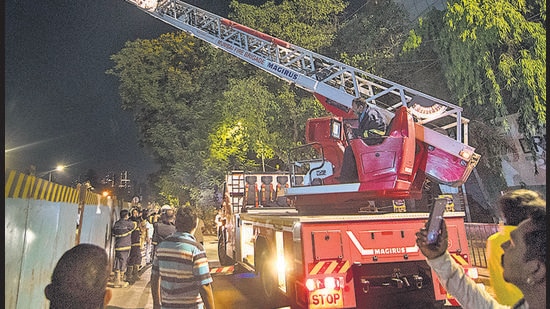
(523, 263)
(149, 242)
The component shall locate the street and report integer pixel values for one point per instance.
(231, 289)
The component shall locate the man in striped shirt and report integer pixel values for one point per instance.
(180, 276)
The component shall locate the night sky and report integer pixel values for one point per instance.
(60, 106)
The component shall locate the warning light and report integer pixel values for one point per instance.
(465, 154)
(310, 284)
(330, 283)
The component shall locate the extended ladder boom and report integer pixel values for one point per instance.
(334, 83)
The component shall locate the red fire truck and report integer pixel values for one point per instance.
(367, 259)
(319, 242)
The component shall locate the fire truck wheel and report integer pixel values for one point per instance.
(268, 278)
(224, 259)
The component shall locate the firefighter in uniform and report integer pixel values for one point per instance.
(134, 261)
(372, 127)
(121, 231)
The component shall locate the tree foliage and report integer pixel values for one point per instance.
(203, 112)
(372, 37)
(310, 24)
(171, 85)
(509, 46)
(242, 131)
(493, 55)
(262, 119)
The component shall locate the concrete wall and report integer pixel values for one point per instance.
(40, 225)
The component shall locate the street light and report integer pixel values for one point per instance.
(59, 168)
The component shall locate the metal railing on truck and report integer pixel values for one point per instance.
(477, 234)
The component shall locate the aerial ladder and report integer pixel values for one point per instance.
(416, 147)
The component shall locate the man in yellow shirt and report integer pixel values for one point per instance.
(514, 206)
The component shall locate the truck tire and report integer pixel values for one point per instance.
(224, 259)
(268, 279)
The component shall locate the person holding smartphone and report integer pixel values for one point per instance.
(514, 206)
(523, 263)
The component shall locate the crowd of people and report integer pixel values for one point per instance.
(80, 278)
(137, 234)
(139, 230)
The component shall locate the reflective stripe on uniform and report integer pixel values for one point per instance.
(125, 234)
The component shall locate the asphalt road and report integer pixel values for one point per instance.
(231, 289)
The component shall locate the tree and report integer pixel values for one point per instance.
(509, 39)
(310, 24)
(259, 110)
(371, 37)
(187, 98)
(493, 54)
(262, 119)
(171, 85)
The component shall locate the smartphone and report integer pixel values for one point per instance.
(435, 219)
